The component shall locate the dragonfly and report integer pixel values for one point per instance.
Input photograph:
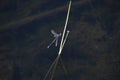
(53, 66)
(56, 36)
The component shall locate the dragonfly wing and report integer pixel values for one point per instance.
(54, 33)
(56, 42)
(51, 43)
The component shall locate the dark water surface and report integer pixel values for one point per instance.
(90, 53)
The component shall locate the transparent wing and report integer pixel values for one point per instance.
(54, 33)
(56, 42)
(51, 43)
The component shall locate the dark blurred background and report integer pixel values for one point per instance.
(92, 50)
